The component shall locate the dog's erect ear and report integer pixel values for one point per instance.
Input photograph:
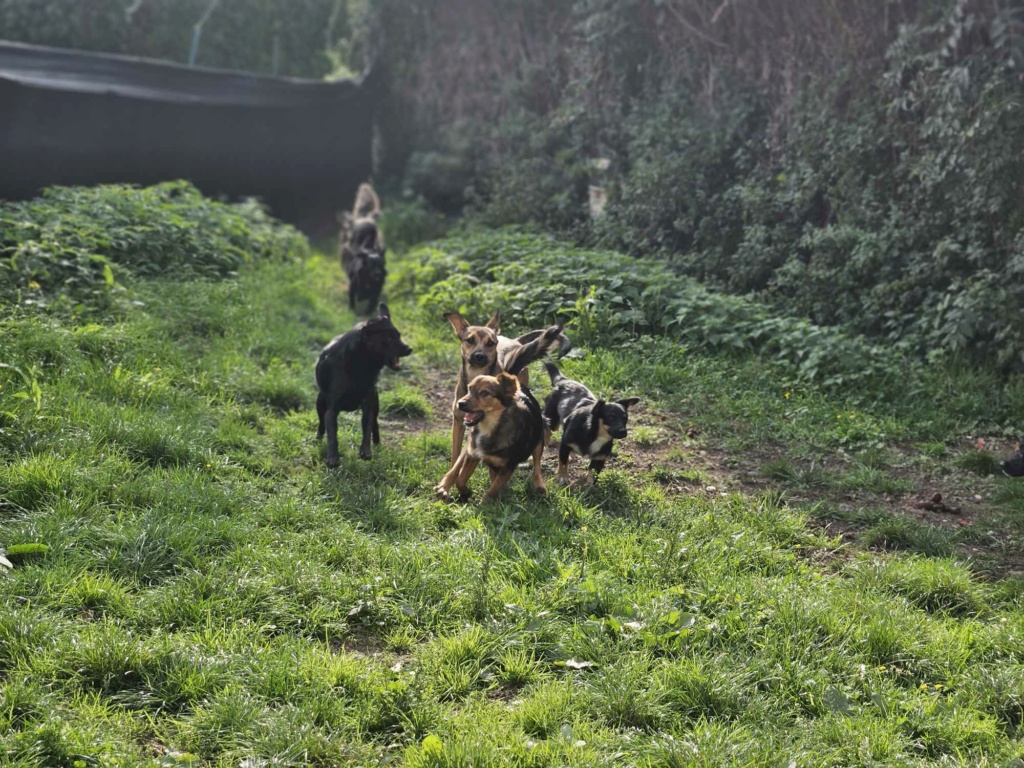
(627, 402)
(458, 323)
(384, 312)
(509, 386)
(495, 323)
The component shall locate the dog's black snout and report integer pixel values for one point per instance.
(478, 359)
(619, 434)
(463, 405)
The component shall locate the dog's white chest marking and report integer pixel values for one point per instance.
(599, 442)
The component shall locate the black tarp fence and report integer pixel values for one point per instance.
(68, 117)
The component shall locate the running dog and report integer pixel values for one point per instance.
(486, 353)
(591, 425)
(346, 375)
(506, 427)
(362, 249)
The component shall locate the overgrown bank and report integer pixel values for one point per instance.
(611, 299)
(859, 168)
(211, 595)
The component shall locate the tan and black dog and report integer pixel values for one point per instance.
(362, 249)
(505, 428)
(483, 349)
(485, 353)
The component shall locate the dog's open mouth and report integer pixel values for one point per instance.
(473, 418)
(394, 363)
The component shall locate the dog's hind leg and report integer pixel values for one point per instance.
(331, 422)
(321, 407)
(563, 462)
(538, 477)
(501, 478)
(551, 420)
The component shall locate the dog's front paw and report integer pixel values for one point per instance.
(563, 480)
(465, 495)
(332, 462)
(365, 452)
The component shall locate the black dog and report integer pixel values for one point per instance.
(366, 272)
(347, 373)
(1014, 466)
(591, 425)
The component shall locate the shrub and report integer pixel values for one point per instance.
(610, 298)
(74, 244)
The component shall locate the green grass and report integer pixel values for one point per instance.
(210, 594)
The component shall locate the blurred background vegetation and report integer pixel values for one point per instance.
(314, 37)
(858, 164)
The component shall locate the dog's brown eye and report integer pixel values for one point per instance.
(485, 394)
(492, 343)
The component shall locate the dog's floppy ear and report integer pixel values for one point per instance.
(495, 322)
(626, 402)
(384, 312)
(458, 323)
(598, 410)
(509, 386)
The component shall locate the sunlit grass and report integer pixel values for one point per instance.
(210, 589)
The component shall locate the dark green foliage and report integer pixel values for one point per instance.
(866, 174)
(76, 244)
(611, 298)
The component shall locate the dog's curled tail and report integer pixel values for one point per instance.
(553, 372)
(560, 344)
(535, 345)
(367, 202)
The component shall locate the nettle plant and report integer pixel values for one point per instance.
(609, 298)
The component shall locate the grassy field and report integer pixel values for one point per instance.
(750, 584)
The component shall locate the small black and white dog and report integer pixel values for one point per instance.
(347, 373)
(590, 425)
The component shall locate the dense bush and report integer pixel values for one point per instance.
(610, 298)
(238, 35)
(860, 169)
(75, 244)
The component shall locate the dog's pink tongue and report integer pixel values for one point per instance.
(469, 420)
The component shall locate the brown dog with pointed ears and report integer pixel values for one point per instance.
(485, 353)
(505, 425)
